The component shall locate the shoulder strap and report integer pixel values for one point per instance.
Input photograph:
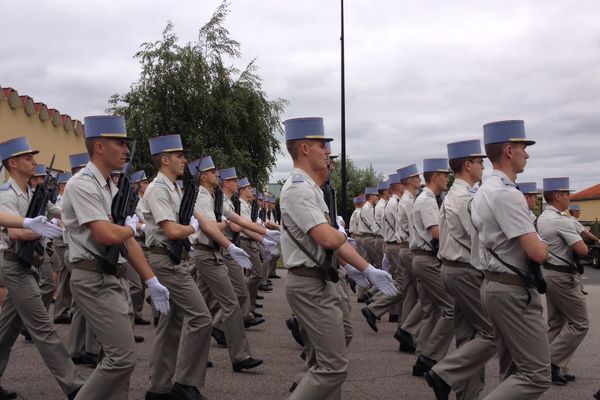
(464, 246)
(386, 220)
(301, 247)
(569, 263)
(363, 221)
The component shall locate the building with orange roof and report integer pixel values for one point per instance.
(589, 201)
(47, 130)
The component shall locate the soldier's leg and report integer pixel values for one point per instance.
(136, 292)
(516, 316)
(24, 308)
(103, 301)
(382, 303)
(62, 304)
(214, 273)
(564, 292)
(256, 274)
(46, 282)
(238, 280)
(316, 304)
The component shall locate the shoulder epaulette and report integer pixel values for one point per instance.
(87, 172)
(297, 178)
(5, 186)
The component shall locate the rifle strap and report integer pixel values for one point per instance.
(301, 247)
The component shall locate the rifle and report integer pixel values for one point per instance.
(218, 195)
(39, 202)
(537, 278)
(331, 262)
(254, 210)
(237, 207)
(123, 206)
(262, 214)
(186, 210)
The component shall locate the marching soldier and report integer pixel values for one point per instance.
(437, 329)
(313, 297)
(358, 202)
(464, 369)
(212, 274)
(98, 287)
(575, 211)
(382, 191)
(180, 351)
(23, 306)
(568, 321)
(508, 241)
(531, 192)
(412, 313)
(367, 239)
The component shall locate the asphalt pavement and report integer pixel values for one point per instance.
(376, 371)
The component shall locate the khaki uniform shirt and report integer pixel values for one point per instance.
(366, 219)
(425, 214)
(390, 220)
(88, 197)
(578, 226)
(405, 216)
(302, 208)
(205, 205)
(558, 230)
(500, 215)
(245, 211)
(379, 211)
(228, 211)
(354, 221)
(161, 202)
(456, 228)
(12, 201)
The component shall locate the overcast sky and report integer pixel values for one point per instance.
(419, 74)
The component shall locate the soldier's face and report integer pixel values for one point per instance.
(518, 157)
(563, 201)
(442, 181)
(532, 199)
(176, 163)
(23, 165)
(476, 168)
(318, 155)
(115, 152)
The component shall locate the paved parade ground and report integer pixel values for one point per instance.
(377, 370)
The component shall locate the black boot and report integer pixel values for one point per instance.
(423, 365)
(440, 388)
(185, 392)
(557, 378)
(7, 394)
(292, 324)
(405, 339)
(370, 317)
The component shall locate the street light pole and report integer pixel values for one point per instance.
(343, 209)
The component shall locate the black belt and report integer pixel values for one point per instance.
(10, 255)
(393, 243)
(505, 278)
(314, 272)
(202, 246)
(420, 252)
(456, 264)
(100, 267)
(561, 268)
(365, 235)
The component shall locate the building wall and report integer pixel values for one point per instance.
(590, 209)
(44, 136)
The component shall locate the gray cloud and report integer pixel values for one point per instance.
(419, 74)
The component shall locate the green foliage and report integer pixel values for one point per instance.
(217, 109)
(358, 179)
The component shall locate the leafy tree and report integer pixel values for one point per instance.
(358, 179)
(216, 108)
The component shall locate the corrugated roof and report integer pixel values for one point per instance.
(591, 193)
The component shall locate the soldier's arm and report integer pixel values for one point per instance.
(8, 220)
(135, 256)
(247, 223)
(211, 229)
(535, 248)
(22, 234)
(435, 231)
(109, 234)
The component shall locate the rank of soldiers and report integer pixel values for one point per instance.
(467, 263)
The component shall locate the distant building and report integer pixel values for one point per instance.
(47, 130)
(589, 201)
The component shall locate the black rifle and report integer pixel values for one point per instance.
(578, 264)
(123, 206)
(262, 214)
(254, 210)
(537, 278)
(186, 210)
(218, 196)
(237, 207)
(39, 202)
(331, 262)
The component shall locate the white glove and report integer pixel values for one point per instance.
(159, 295)
(240, 256)
(340, 221)
(381, 280)
(224, 219)
(132, 221)
(259, 221)
(143, 228)
(194, 224)
(270, 247)
(357, 276)
(273, 235)
(352, 243)
(42, 227)
(385, 263)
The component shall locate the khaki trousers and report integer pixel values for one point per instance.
(24, 308)
(46, 282)
(215, 279)
(437, 326)
(368, 250)
(411, 314)
(182, 340)
(238, 280)
(317, 306)
(256, 274)
(516, 316)
(568, 321)
(382, 303)
(136, 291)
(62, 304)
(464, 368)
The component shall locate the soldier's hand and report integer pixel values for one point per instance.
(340, 221)
(271, 248)
(240, 256)
(42, 227)
(132, 222)
(273, 235)
(381, 280)
(358, 277)
(195, 224)
(159, 295)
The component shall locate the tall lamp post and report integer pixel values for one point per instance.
(343, 209)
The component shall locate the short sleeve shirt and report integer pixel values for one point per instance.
(390, 224)
(302, 208)
(13, 201)
(228, 211)
(354, 221)
(245, 211)
(379, 211)
(405, 216)
(205, 205)
(425, 215)
(578, 226)
(88, 197)
(366, 219)
(558, 230)
(161, 202)
(500, 216)
(456, 228)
